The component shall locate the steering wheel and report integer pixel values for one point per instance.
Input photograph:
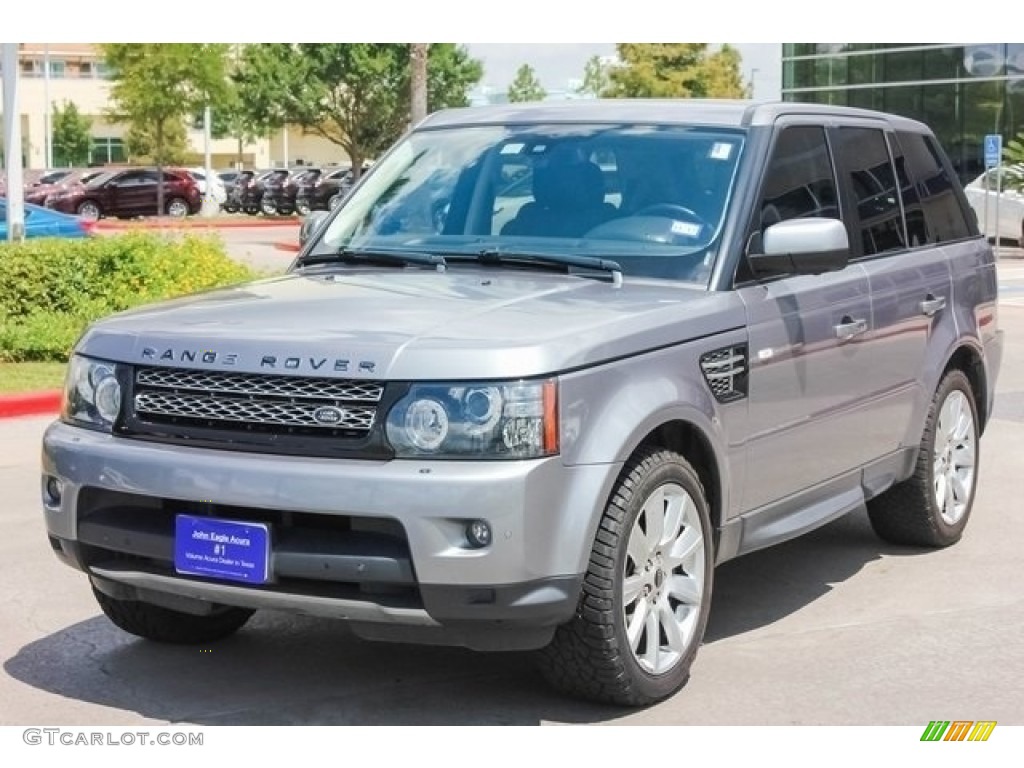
(673, 211)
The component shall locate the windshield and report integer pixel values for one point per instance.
(652, 198)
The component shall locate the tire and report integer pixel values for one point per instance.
(89, 210)
(302, 206)
(268, 208)
(334, 202)
(163, 625)
(252, 210)
(604, 653)
(926, 510)
(177, 207)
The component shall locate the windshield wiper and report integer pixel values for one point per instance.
(499, 255)
(398, 257)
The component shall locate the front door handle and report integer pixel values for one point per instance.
(848, 328)
(932, 304)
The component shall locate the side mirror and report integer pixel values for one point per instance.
(310, 224)
(802, 247)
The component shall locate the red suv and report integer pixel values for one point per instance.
(130, 192)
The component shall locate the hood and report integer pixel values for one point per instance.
(414, 324)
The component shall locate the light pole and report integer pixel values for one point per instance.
(12, 146)
(209, 206)
(47, 111)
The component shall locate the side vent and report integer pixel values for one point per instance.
(725, 371)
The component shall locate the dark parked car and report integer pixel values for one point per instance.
(280, 188)
(128, 193)
(323, 191)
(246, 193)
(38, 193)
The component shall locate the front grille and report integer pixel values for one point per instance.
(258, 411)
(253, 411)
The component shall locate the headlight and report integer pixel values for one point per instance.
(511, 420)
(92, 393)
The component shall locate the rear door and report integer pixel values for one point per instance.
(908, 271)
(808, 389)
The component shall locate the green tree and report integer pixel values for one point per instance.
(72, 136)
(526, 86)
(157, 86)
(675, 70)
(355, 95)
(141, 145)
(595, 78)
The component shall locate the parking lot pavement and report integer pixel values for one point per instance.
(834, 628)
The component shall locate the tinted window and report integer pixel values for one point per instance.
(934, 213)
(800, 181)
(868, 168)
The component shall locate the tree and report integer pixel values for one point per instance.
(355, 95)
(595, 78)
(418, 63)
(675, 70)
(156, 86)
(72, 136)
(141, 146)
(526, 86)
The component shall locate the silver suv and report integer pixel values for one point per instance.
(544, 370)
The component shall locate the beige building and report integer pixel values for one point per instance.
(78, 75)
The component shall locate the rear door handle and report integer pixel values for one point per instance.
(849, 328)
(931, 305)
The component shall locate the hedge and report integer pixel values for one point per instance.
(51, 289)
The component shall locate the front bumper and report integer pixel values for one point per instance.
(380, 543)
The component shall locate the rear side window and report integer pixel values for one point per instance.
(934, 212)
(864, 158)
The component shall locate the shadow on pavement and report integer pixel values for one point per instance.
(284, 670)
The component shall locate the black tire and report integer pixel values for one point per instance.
(90, 210)
(909, 512)
(591, 656)
(302, 206)
(268, 208)
(252, 210)
(163, 625)
(334, 201)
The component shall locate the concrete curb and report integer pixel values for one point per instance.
(195, 223)
(30, 403)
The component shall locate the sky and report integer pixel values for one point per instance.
(557, 63)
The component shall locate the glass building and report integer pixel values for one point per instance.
(961, 91)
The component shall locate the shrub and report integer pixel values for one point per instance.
(52, 289)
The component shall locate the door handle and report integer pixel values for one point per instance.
(931, 305)
(848, 328)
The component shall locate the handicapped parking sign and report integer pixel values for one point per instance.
(993, 149)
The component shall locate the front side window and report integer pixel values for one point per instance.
(652, 198)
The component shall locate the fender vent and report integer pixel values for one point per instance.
(725, 371)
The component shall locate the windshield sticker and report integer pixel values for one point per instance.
(686, 228)
(512, 149)
(720, 151)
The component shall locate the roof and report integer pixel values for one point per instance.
(716, 112)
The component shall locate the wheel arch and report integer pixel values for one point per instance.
(967, 358)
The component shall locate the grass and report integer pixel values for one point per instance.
(30, 377)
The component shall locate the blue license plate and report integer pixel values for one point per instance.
(222, 549)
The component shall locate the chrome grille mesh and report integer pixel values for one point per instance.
(268, 403)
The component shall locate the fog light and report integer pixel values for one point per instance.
(478, 533)
(54, 491)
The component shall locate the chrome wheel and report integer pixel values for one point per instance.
(663, 579)
(953, 457)
(177, 208)
(89, 210)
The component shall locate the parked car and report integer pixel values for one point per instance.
(982, 195)
(128, 193)
(543, 419)
(247, 192)
(324, 190)
(38, 193)
(279, 190)
(41, 222)
(216, 189)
